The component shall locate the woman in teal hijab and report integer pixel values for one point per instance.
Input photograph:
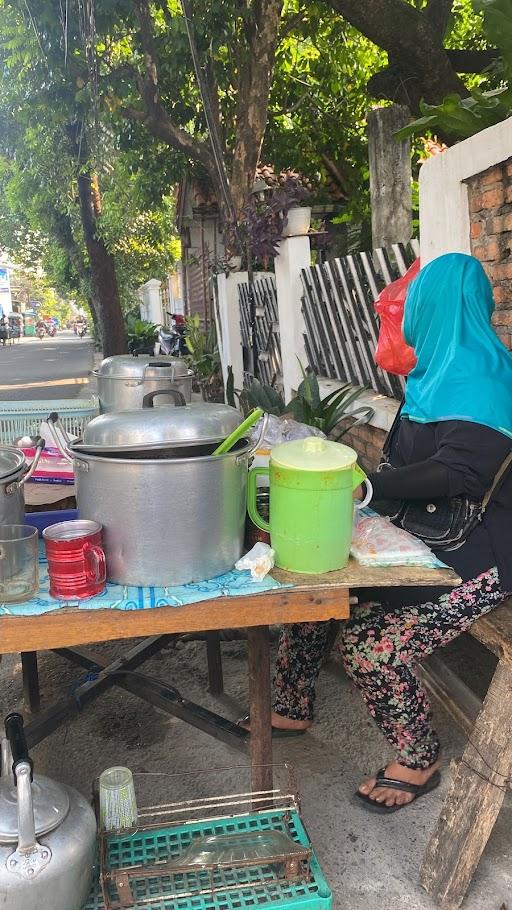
(463, 371)
(453, 437)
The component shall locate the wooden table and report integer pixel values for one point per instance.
(317, 598)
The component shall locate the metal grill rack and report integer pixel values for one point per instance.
(237, 850)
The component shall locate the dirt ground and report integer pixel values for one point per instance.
(371, 862)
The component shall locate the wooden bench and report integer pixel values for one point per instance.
(481, 777)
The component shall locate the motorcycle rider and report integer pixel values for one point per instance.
(4, 330)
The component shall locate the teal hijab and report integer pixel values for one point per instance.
(463, 371)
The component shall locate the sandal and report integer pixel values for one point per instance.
(277, 732)
(382, 781)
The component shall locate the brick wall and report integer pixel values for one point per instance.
(490, 204)
(367, 442)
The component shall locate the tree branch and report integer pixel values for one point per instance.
(469, 61)
(419, 66)
(382, 21)
(154, 117)
(438, 13)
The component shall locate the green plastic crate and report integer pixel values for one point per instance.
(169, 843)
(23, 418)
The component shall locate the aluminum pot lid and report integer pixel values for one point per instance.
(157, 428)
(144, 366)
(12, 460)
(51, 805)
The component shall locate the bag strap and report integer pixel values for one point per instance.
(386, 448)
(499, 476)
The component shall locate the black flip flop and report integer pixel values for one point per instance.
(382, 781)
(277, 733)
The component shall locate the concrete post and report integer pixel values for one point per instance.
(142, 304)
(294, 255)
(152, 301)
(390, 176)
(229, 335)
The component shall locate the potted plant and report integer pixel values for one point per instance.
(326, 414)
(204, 358)
(142, 337)
(268, 217)
(297, 213)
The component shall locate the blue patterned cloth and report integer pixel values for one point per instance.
(124, 597)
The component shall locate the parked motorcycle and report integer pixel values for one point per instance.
(172, 340)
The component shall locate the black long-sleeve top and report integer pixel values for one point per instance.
(453, 458)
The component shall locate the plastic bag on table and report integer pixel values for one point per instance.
(392, 353)
(283, 429)
(258, 561)
(377, 542)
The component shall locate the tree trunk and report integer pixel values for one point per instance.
(103, 276)
(256, 70)
(420, 68)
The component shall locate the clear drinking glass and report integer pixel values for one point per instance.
(19, 563)
(118, 806)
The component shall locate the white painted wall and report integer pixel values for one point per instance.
(444, 209)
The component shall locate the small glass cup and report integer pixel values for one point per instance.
(19, 563)
(118, 805)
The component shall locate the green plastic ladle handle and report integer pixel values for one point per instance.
(240, 431)
(252, 492)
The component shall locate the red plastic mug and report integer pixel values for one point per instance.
(76, 561)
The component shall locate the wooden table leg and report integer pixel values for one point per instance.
(260, 708)
(474, 799)
(30, 673)
(214, 658)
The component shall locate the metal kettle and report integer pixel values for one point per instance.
(47, 834)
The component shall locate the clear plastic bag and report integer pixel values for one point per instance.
(377, 542)
(283, 429)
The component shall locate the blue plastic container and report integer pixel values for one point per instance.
(42, 520)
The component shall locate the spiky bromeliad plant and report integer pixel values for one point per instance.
(308, 407)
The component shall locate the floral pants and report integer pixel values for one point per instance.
(380, 647)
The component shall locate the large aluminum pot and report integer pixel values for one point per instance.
(124, 380)
(14, 473)
(166, 521)
(47, 835)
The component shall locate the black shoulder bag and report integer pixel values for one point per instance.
(443, 524)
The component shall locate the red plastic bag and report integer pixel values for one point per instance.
(393, 354)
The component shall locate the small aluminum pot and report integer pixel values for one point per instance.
(14, 473)
(123, 381)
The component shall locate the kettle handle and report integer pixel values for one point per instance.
(252, 507)
(17, 741)
(30, 857)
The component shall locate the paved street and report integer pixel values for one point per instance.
(52, 368)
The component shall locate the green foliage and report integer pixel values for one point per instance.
(308, 407)
(463, 117)
(141, 333)
(49, 91)
(203, 357)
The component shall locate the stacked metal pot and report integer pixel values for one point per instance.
(14, 472)
(172, 513)
(124, 380)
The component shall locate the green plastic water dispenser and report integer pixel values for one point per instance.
(311, 503)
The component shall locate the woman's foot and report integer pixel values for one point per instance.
(386, 796)
(279, 722)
